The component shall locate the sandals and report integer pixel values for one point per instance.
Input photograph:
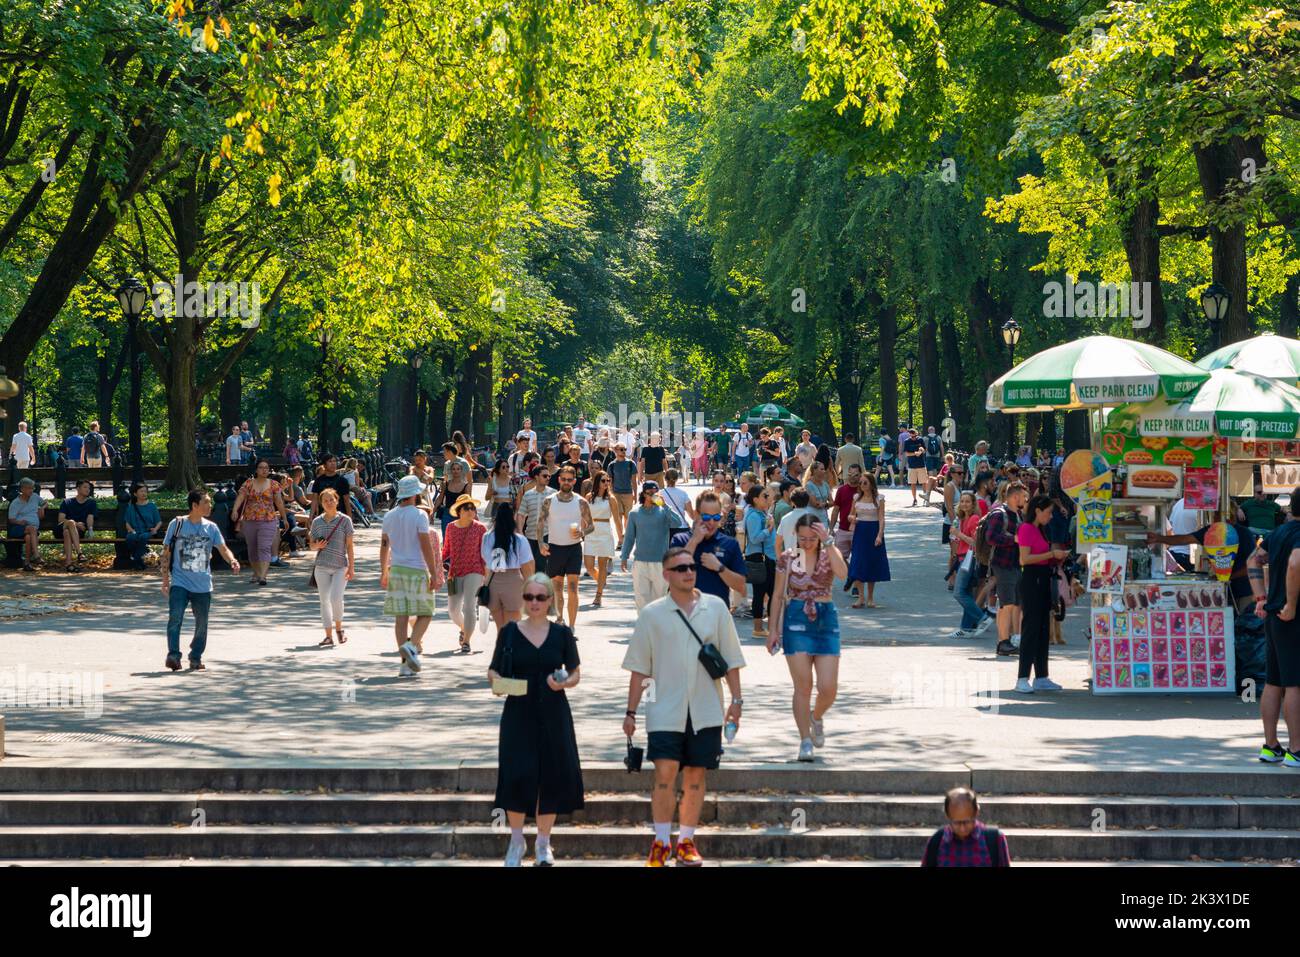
(328, 642)
(858, 604)
(596, 602)
(343, 637)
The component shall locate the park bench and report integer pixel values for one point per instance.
(110, 529)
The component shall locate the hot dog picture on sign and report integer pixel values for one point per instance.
(1155, 481)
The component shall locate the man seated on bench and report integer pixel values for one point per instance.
(25, 514)
(77, 521)
(142, 523)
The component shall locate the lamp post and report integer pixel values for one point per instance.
(1215, 301)
(323, 336)
(132, 296)
(416, 362)
(910, 365)
(1011, 335)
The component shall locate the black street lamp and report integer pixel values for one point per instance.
(1011, 335)
(323, 336)
(856, 378)
(132, 296)
(1215, 301)
(910, 365)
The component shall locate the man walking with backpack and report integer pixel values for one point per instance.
(92, 448)
(933, 456)
(999, 531)
(888, 450)
(965, 841)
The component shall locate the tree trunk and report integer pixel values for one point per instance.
(1047, 434)
(1138, 229)
(1218, 170)
(1076, 431)
(993, 359)
(462, 405)
(483, 394)
(887, 322)
(931, 384)
(229, 398)
(182, 402)
(1289, 307)
(958, 401)
(104, 389)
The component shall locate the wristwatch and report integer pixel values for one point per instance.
(630, 714)
(739, 701)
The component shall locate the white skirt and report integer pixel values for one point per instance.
(600, 543)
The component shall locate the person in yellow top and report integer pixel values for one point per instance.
(684, 717)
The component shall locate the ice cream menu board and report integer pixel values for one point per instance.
(1163, 638)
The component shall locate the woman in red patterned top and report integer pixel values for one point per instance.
(462, 552)
(804, 620)
(258, 511)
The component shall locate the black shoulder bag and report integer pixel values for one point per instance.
(710, 656)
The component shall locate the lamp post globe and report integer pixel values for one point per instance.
(1215, 301)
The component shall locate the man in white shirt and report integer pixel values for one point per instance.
(526, 434)
(21, 447)
(785, 529)
(582, 435)
(410, 571)
(1182, 521)
(743, 451)
(684, 715)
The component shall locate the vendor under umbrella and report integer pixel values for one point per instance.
(1238, 581)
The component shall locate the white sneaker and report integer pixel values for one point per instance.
(806, 749)
(819, 732)
(983, 626)
(545, 856)
(410, 657)
(515, 853)
(1046, 684)
(1015, 641)
(1023, 686)
(405, 672)
(960, 633)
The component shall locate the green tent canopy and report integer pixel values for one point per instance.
(1274, 357)
(772, 414)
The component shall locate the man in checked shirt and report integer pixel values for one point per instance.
(965, 841)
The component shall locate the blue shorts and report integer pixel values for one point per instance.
(819, 636)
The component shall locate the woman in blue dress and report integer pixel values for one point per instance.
(868, 562)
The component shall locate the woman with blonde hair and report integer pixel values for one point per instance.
(538, 771)
(598, 547)
(331, 539)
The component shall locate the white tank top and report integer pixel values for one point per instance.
(562, 515)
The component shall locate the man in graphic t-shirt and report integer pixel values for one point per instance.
(186, 565)
(914, 452)
(743, 451)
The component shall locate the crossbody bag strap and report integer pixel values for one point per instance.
(175, 530)
(688, 626)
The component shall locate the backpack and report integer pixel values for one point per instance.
(992, 844)
(932, 444)
(92, 445)
(983, 547)
(888, 446)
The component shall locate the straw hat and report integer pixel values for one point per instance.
(463, 501)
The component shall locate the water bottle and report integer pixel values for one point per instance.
(729, 731)
(561, 675)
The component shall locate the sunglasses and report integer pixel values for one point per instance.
(706, 517)
(541, 597)
(690, 569)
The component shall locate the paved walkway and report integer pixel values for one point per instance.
(271, 697)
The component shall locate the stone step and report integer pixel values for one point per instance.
(156, 809)
(560, 861)
(610, 841)
(1250, 780)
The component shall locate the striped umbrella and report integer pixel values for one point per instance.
(1231, 403)
(1097, 370)
(1274, 357)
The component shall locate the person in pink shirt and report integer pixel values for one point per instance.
(463, 549)
(1038, 561)
(842, 507)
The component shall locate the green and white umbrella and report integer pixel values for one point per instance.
(1232, 403)
(771, 413)
(1097, 370)
(1274, 357)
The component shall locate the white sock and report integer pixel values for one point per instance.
(686, 834)
(543, 840)
(517, 835)
(663, 832)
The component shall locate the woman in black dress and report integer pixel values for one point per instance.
(538, 770)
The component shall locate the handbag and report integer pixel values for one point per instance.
(484, 595)
(756, 569)
(710, 657)
(510, 686)
(311, 582)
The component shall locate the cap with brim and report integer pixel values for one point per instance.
(409, 485)
(649, 486)
(462, 502)
(604, 440)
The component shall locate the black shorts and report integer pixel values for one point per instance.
(1282, 665)
(539, 561)
(947, 534)
(564, 560)
(690, 749)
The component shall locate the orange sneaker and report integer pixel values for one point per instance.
(687, 855)
(659, 854)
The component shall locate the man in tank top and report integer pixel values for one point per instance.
(564, 521)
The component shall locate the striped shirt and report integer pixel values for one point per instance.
(532, 510)
(335, 554)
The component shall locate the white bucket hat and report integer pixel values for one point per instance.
(409, 485)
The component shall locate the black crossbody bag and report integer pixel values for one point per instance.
(710, 656)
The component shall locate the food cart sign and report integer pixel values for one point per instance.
(1117, 391)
